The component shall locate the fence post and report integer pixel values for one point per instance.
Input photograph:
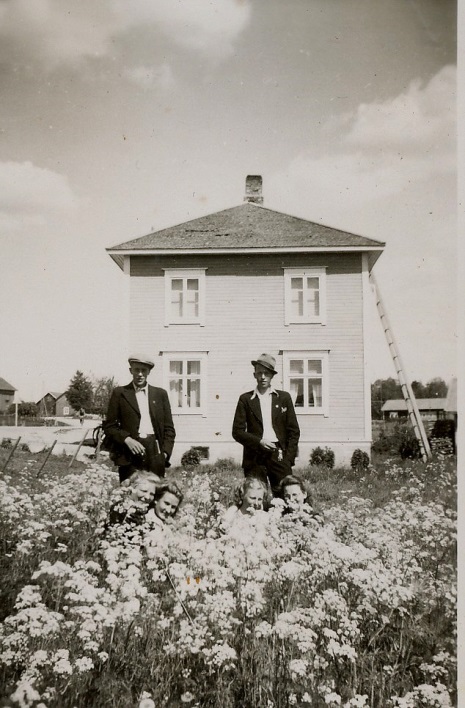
(11, 454)
(78, 448)
(48, 455)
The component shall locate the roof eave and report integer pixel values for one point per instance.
(118, 255)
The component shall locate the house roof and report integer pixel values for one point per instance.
(423, 404)
(54, 395)
(451, 400)
(245, 228)
(5, 386)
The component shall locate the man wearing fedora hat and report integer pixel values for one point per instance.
(266, 425)
(139, 424)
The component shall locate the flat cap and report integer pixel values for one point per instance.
(141, 359)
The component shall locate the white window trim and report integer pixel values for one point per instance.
(201, 356)
(319, 273)
(184, 273)
(310, 354)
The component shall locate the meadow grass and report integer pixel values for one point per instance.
(356, 611)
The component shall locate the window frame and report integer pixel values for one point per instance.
(307, 318)
(185, 274)
(323, 356)
(185, 356)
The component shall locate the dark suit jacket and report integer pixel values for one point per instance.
(248, 426)
(123, 420)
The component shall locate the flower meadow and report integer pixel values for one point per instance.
(355, 607)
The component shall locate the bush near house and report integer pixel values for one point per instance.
(357, 612)
(323, 457)
(360, 460)
(400, 440)
(190, 459)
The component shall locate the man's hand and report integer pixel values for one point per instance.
(267, 444)
(135, 446)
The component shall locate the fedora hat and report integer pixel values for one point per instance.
(266, 360)
(141, 359)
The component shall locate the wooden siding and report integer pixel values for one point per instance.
(244, 317)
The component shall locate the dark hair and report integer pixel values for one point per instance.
(243, 487)
(172, 488)
(291, 480)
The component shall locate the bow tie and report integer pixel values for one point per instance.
(140, 388)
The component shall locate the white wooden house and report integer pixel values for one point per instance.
(210, 295)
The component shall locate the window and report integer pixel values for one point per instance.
(185, 380)
(305, 295)
(306, 379)
(185, 296)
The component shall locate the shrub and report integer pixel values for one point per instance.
(7, 443)
(401, 441)
(190, 459)
(323, 457)
(360, 460)
(409, 447)
(225, 464)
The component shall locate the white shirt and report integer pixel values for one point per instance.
(266, 402)
(145, 426)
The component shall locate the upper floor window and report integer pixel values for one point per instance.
(305, 295)
(306, 377)
(185, 378)
(185, 296)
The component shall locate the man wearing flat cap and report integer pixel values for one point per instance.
(139, 424)
(266, 425)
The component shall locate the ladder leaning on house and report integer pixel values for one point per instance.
(407, 392)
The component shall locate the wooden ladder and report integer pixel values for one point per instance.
(407, 392)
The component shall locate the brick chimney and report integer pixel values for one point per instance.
(253, 189)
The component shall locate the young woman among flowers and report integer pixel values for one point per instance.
(165, 504)
(135, 499)
(297, 498)
(249, 497)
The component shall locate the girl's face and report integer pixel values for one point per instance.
(143, 491)
(294, 496)
(165, 507)
(253, 499)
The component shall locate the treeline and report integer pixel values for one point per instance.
(383, 390)
(91, 394)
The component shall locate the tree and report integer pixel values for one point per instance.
(383, 390)
(28, 409)
(80, 392)
(436, 388)
(102, 391)
(418, 389)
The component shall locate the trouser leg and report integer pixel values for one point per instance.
(276, 471)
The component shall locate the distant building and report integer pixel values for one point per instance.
(7, 393)
(429, 408)
(55, 404)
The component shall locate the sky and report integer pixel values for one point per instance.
(120, 118)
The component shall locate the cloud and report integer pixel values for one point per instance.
(54, 33)
(210, 27)
(149, 76)
(30, 195)
(377, 153)
(418, 119)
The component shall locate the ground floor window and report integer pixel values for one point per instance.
(306, 376)
(185, 378)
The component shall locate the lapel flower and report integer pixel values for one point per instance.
(283, 409)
